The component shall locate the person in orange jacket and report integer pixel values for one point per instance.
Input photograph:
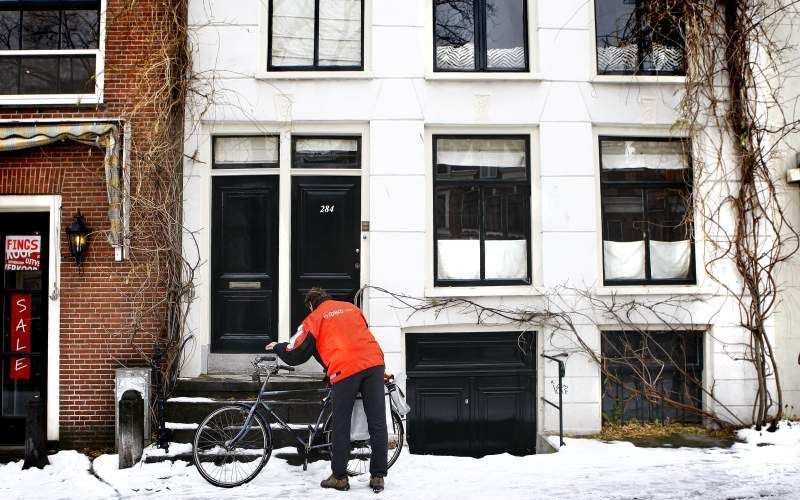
(337, 335)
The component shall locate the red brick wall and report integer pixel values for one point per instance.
(96, 305)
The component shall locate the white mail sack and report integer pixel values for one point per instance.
(359, 431)
(399, 402)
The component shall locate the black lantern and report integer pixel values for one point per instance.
(78, 238)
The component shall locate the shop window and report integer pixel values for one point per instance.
(49, 47)
(646, 206)
(639, 37)
(481, 210)
(246, 151)
(652, 376)
(318, 35)
(480, 35)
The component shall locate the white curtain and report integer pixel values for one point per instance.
(670, 259)
(323, 145)
(254, 149)
(660, 155)
(459, 259)
(292, 37)
(481, 152)
(340, 32)
(623, 260)
(506, 259)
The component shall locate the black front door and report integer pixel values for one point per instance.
(23, 352)
(471, 394)
(244, 264)
(325, 238)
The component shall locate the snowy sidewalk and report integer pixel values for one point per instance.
(766, 466)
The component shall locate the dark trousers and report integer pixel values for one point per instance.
(369, 383)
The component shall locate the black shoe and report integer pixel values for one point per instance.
(376, 483)
(336, 483)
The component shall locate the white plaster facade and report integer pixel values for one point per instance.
(396, 104)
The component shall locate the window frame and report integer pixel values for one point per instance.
(315, 66)
(646, 75)
(63, 99)
(482, 282)
(645, 186)
(296, 137)
(242, 165)
(479, 31)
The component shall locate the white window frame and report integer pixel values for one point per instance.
(534, 70)
(597, 78)
(263, 72)
(535, 287)
(58, 99)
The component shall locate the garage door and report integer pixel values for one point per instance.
(471, 394)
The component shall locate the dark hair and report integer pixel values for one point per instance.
(315, 297)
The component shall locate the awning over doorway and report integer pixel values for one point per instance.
(102, 135)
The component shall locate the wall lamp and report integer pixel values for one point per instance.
(78, 238)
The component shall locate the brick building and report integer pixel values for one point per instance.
(70, 109)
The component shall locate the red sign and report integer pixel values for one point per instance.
(20, 335)
(23, 253)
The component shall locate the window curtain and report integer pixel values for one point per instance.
(481, 152)
(325, 145)
(292, 37)
(102, 135)
(670, 259)
(506, 259)
(459, 259)
(658, 155)
(257, 149)
(623, 260)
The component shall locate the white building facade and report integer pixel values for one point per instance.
(491, 150)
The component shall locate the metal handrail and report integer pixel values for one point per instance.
(560, 406)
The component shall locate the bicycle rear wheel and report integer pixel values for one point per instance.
(361, 451)
(227, 464)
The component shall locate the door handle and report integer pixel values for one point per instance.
(358, 250)
(357, 265)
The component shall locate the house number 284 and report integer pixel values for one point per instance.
(326, 209)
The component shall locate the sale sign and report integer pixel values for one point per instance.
(23, 253)
(21, 304)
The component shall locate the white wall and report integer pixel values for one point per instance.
(399, 103)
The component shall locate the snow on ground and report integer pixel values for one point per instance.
(767, 465)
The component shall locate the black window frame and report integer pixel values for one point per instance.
(237, 165)
(641, 45)
(479, 30)
(59, 6)
(645, 186)
(481, 215)
(316, 66)
(694, 358)
(297, 162)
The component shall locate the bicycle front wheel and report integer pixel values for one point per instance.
(361, 451)
(223, 462)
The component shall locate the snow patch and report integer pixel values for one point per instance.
(68, 476)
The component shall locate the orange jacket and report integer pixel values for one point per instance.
(342, 339)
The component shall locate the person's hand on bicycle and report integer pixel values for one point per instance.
(270, 346)
(388, 377)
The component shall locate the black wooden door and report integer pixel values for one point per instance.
(471, 394)
(23, 353)
(326, 213)
(244, 263)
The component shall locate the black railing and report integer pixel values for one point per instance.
(560, 406)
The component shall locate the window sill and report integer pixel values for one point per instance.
(50, 100)
(674, 80)
(482, 76)
(482, 291)
(680, 290)
(314, 75)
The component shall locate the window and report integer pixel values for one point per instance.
(646, 201)
(49, 47)
(639, 37)
(481, 210)
(480, 35)
(642, 368)
(326, 152)
(246, 152)
(319, 35)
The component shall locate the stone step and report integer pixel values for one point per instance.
(193, 410)
(240, 387)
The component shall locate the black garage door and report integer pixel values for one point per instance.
(471, 394)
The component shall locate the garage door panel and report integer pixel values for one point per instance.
(466, 352)
(439, 421)
(504, 422)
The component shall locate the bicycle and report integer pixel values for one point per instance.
(234, 443)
